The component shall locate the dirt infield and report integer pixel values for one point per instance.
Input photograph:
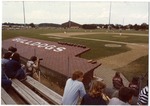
(69, 34)
(122, 59)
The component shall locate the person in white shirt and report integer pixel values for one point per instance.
(74, 89)
(124, 97)
(32, 67)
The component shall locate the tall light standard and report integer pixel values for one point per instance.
(24, 14)
(69, 14)
(109, 16)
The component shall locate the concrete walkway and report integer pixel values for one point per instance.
(106, 72)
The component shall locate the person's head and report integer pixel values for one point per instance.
(7, 55)
(33, 58)
(135, 80)
(12, 49)
(117, 74)
(77, 75)
(125, 94)
(97, 88)
(15, 56)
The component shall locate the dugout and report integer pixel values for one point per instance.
(60, 60)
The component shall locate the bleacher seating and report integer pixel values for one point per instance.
(45, 91)
(5, 98)
(34, 96)
(30, 96)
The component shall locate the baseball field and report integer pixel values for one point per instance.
(126, 52)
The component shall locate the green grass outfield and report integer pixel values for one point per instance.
(98, 49)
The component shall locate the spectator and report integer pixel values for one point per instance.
(14, 69)
(117, 81)
(95, 95)
(124, 97)
(134, 85)
(32, 67)
(12, 49)
(74, 89)
(6, 57)
(6, 82)
(143, 96)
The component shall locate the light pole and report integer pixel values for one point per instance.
(24, 14)
(109, 15)
(69, 14)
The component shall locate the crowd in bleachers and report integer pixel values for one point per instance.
(74, 91)
(96, 95)
(12, 67)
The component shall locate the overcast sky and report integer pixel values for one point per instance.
(82, 12)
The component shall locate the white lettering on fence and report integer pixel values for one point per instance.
(39, 44)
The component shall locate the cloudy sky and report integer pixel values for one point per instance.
(82, 12)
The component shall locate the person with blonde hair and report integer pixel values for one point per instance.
(95, 96)
(74, 89)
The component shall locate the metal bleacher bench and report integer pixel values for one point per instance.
(52, 96)
(27, 89)
(5, 98)
(27, 94)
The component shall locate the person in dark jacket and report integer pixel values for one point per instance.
(134, 84)
(6, 82)
(14, 69)
(12, 49)
(95, 95)
(117, 81)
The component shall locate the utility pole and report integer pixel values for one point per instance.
(109, 15)
(69, 14)
(24, 13)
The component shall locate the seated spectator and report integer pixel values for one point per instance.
(14, 69)
(74, 89)
(124, 97)
(95, 95)
(12, 49)
(6, 82)
(32, 67)
(6, 57)
(117, 81)
(143, 96)
(134, 85)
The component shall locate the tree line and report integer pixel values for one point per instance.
(143, 26)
